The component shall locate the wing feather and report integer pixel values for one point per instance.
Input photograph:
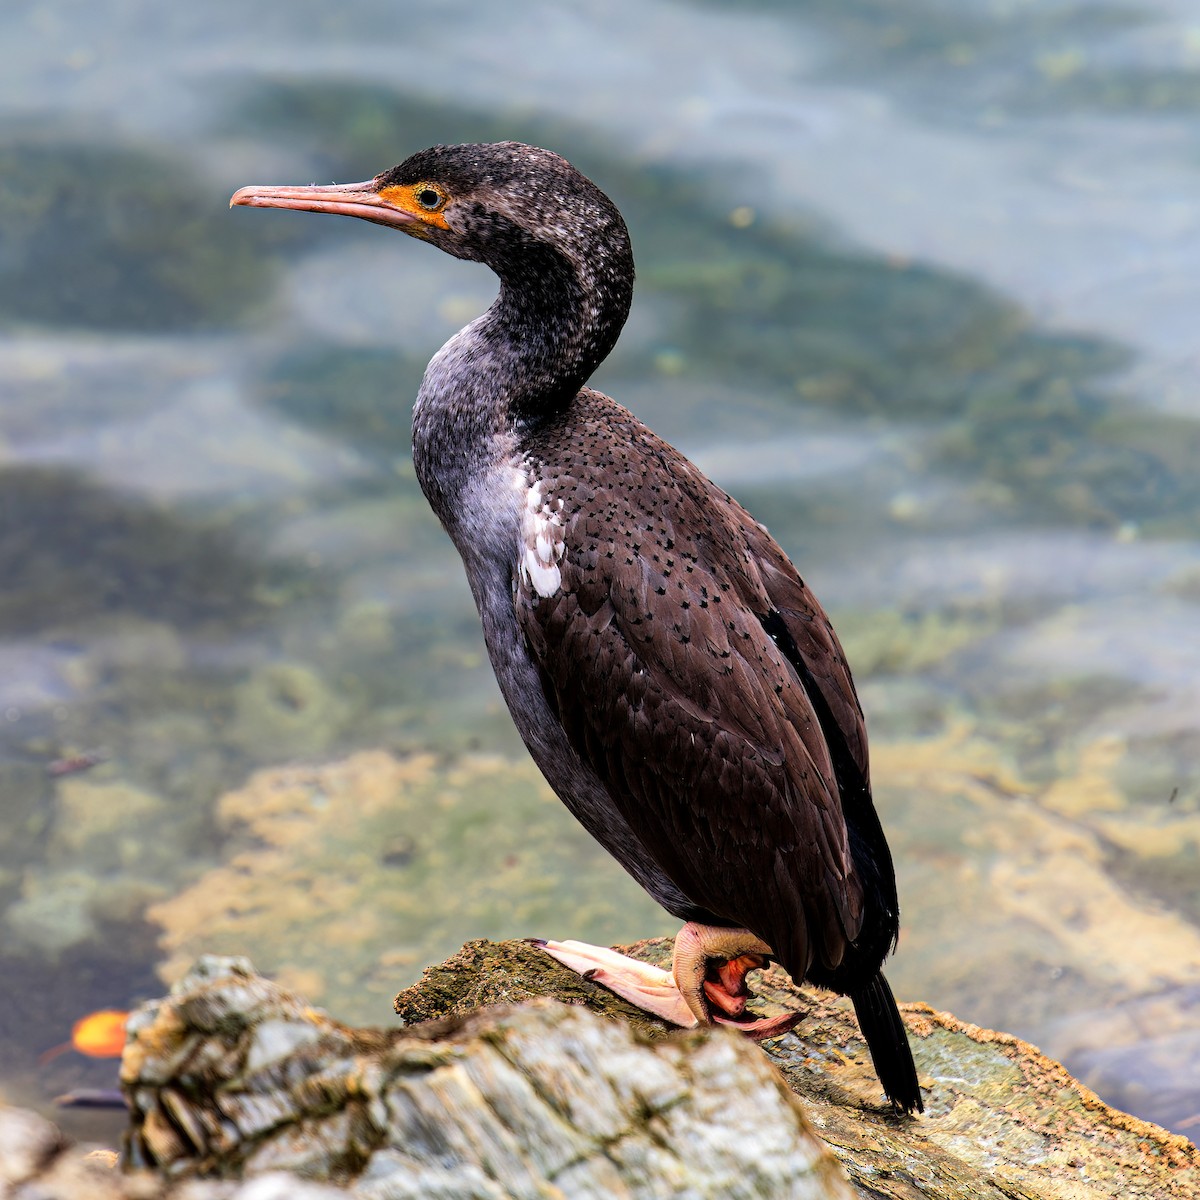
(655, 653)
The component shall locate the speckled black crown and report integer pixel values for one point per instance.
(487, 164)
(515, 207)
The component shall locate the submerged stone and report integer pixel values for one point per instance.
(344, 877)
(86, 554)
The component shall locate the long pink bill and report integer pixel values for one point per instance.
(344, 200)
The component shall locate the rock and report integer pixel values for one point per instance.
(239, 1090)
(27, 1143)
(288, 708)
(38, 1163)
(395, 859)
(1001, 1119)
(232, 1075)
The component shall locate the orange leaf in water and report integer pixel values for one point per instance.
(100, 1034)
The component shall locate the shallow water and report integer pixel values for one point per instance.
(918, 283)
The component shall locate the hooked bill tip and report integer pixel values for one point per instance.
(245, 196)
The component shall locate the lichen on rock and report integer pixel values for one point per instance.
(1002, 1121)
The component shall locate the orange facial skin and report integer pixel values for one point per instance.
(405, 198)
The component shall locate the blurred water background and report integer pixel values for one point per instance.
(918, 282)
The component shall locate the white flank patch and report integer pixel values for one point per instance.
(542, 546)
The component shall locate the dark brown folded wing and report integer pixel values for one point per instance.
(654, 653)
(828, 680)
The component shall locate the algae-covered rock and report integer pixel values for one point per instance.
(238, 1088)
(86, 553)
(286, 709)
(900, 643)
(115, 237)
(1033, 866)
(110, 849)
(360, 394)
(60, 909)
(1001, 1119)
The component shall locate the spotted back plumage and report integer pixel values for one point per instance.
(654, 652)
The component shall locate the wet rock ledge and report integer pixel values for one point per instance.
(239, 1089)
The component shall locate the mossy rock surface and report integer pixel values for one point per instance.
(1001, 1120)
(550, 1090)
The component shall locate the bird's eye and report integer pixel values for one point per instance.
(429, 199)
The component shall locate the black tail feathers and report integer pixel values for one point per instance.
(881, 1024)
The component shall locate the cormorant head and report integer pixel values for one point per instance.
(505, 204)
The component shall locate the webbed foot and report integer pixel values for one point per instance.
(706, 984)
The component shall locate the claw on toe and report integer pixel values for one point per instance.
(725, 982)
(727, 993)
(763, 1028)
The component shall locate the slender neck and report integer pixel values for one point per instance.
(521, 363)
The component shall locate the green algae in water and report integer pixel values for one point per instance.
(352, 876)
(1173, 879)
(993, 59)
(110, 237)
(25, 790)
(361, 395)
(347, 126)
(83, 551)
(899, 341)
(286, 710)
(1090, 87)
(895, 643)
